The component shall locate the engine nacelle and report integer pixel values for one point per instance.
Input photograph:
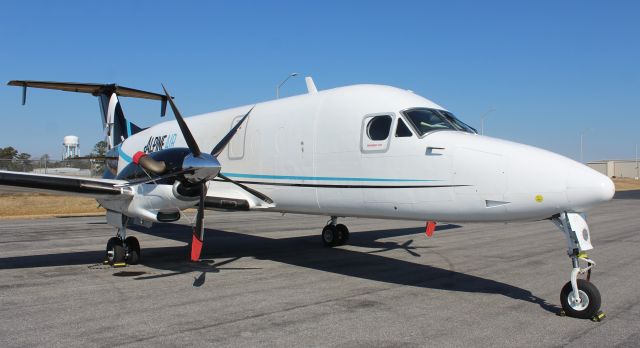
(173, 160)
(154, 202)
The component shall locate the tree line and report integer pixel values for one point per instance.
(12, 159)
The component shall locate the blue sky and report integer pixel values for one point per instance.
(551, 69)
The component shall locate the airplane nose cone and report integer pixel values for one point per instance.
(607, 189)
(587, 187)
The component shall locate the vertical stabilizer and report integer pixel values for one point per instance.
(117, 128)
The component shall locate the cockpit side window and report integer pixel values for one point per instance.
(402, 130)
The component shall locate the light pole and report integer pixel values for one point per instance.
(282, 83)
(482, 120)
(637, 170)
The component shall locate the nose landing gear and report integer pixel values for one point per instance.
(579, 297)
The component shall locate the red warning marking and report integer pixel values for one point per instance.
(138, 156)
(196, 248)
(430, 228)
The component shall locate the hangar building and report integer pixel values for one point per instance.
(616, 168)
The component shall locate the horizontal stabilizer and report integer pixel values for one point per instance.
(93, 88)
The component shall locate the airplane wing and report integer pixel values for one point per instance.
(57, 183)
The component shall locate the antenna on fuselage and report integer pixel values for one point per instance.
(311, 87)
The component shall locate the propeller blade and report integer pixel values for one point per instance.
(248, 189)
(198, 229)
(150, 180)
(186, 133)
(227, 138)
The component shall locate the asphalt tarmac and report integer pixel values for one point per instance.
(266, 280)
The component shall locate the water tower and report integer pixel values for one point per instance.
(71, 145)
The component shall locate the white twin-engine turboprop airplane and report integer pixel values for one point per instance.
(362, 151)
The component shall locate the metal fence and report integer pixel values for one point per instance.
(71, 167)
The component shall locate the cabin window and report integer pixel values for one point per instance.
(378, 127)
(402, 130)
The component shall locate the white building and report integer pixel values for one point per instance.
(617, 168)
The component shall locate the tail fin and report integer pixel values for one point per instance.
(116, 126)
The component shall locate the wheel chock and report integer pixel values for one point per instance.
(599, 317)
(562, 313)
(121, 264)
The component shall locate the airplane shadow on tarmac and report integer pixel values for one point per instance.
(304, 251)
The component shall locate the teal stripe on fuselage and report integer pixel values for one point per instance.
(123, 155)
(318, 178)
(128, 158)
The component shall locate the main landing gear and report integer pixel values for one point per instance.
(121, 252)
(121, 249)
(579, 297)
(334, 234)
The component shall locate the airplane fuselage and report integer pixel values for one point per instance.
(317, 154)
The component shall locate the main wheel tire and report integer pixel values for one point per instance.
(115, 251)
(343, 234)
(133, 250)
(589, 303)
(330, 236)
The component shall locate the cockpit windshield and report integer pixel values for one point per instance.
(428, 120)
(457, 123)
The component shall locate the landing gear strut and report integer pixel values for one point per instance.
(334, 234)
(122, 249)
(579, 297)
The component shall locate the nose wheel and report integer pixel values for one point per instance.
(579, 298)
(334, 234)
(587, 302)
